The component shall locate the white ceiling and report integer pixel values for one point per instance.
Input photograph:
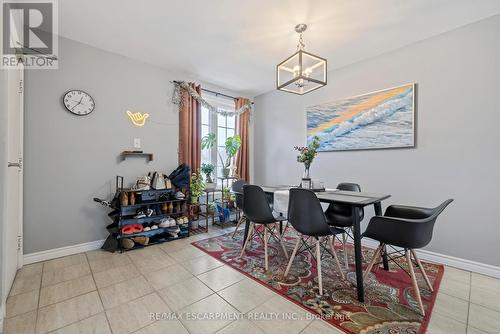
(237, 44)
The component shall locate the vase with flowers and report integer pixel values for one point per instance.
(306, 156)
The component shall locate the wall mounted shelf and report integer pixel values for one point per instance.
(128, 154)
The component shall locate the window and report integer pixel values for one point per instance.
(222, 126)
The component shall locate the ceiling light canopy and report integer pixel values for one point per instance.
(302, 72)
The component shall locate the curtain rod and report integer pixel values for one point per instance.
(212, 92)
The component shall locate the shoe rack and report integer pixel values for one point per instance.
(154, 205)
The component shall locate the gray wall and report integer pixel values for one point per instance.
(70, 159)
(457, 156)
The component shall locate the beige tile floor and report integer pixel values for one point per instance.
(101, 293)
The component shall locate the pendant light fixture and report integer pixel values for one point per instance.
(302, 72)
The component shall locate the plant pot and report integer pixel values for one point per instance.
(226, 172)
(210, 186)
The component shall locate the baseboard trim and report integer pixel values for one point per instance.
(63, 251)
(473, 266)
(477, 267)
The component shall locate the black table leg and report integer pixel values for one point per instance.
(357, 254)
(281, 224)
(378, 212)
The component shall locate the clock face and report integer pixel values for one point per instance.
(78, 102)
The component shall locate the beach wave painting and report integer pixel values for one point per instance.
(383, 119)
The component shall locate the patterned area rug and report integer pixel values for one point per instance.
(390, 306)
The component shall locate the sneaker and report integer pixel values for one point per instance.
(147, 228)
(154, 227)
(140, 214)
(179, 195)
(164, 222)
(149, 212)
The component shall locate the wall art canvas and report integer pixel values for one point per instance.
(382, 119)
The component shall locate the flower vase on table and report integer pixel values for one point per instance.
(306, 156)
(306, 178)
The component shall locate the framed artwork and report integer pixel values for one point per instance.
(381, 119)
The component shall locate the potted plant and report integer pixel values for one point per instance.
(232, 145)
(307, 155)
(208, 169)
(211, 207)
(228, 197)
(197, 186)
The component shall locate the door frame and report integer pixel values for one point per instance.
(19, 94)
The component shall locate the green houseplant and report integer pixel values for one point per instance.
(232, 145)
(211, 207)
(228, 197)
(197, 186)
(208, 169)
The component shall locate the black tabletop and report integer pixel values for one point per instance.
(338, 196)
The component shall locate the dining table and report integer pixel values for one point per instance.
(357, 201)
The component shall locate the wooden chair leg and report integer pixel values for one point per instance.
(344, 250)
(249, 236)
(280, 237)
(421, 267)
(293, 255)
(237, 226)
(332, 248)
(414, 281)
(318, 261)
(380, 258)
(266, 261)
(372, 262)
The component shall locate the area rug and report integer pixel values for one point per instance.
(390, 306)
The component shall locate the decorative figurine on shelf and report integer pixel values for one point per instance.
(306, 156)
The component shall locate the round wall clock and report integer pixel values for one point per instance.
(78, 102)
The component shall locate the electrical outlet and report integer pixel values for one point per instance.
(137, 142)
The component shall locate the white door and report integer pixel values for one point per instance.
(13, 227)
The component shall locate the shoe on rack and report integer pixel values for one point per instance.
(164, 222)
(140, 214)
(141, 240)
(147, 228)
(149, 212)
(179, 195)
(154, 227)
(127, 243)
(131, 229)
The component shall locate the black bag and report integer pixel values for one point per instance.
(180, 176)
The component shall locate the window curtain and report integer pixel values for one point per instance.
(242, 128)
(190, 130)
